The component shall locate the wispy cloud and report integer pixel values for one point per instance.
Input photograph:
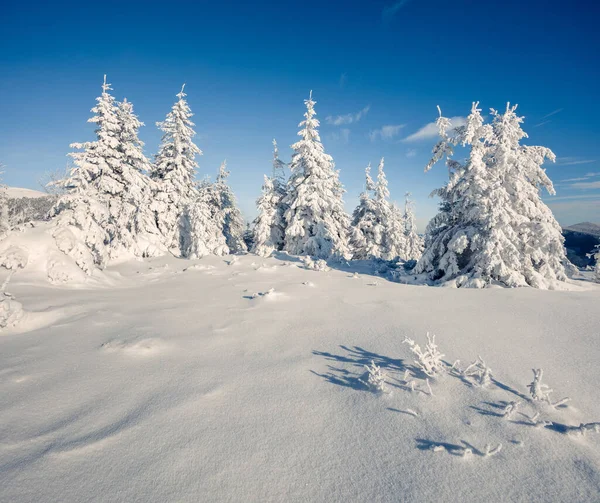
(341, 120)
(583, 178)
(343, 80)
(430, 130)
(558, 110)
(412, 152)
(586, 185)
(542, 123)
(386, 132)
(342, 135)
(389, 11)
(573, 161)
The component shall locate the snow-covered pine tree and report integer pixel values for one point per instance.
(365, 232)
(317, 223)
(174, 171)
(105, 195)
(4, 220)
(280, 191)
(490, 205)
(519, 169)
(264, 224)
(389, 233)
(231, 217)
(413, 242)
(597, 266)
(205, 236)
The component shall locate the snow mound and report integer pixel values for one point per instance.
(17, 193)
(44, 253)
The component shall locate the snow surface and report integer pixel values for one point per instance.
(17, 192)
(240, 380)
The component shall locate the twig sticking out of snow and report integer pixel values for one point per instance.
(430, 360)
(510, 409)
(375, 379)
(488, 451)
(541, 392)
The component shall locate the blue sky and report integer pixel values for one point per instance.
(377, 70)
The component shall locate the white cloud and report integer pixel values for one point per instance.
(573, 161)
(412, 152)
(389, 11)
(586, 185)
(583, 178)
(342, 135)
(340, 120)
(386, 132)
(542, 123)
(430, 130)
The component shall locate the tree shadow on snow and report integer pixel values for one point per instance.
(358, 358)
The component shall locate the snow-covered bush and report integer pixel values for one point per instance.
(375, 378)
(596, 256)
(314, 265)
(430, 360)
(492, 225)
(317, 223)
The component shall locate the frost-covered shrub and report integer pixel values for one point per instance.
(375, 378)
(429, 360)
(478, 373)
(541, 392)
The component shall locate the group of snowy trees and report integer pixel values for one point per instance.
(118, 203)
(306, 215)
(492, 225)
(379, 228)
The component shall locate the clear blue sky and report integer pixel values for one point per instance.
(249, 65)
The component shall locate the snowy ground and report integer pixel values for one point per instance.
(17, 192)
(176, 380)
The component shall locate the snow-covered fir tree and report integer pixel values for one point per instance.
(232, 221)
(366, 232)
(392, 243)
(280, 191)
(264, 224)
(413, 243)
(597, 266)
(107, 196)
(317, 223)
(269, 225)
(492, 224)
(205, 235)
(174, 171)
(4, 218)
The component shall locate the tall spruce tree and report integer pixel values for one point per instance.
(317, 223)
(366, 232)
(174, 171)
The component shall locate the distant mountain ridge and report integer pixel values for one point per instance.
(580, 239)
(585, 228)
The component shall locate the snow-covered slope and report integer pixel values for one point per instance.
(16, 193)
(585, 228)
(195, 381)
